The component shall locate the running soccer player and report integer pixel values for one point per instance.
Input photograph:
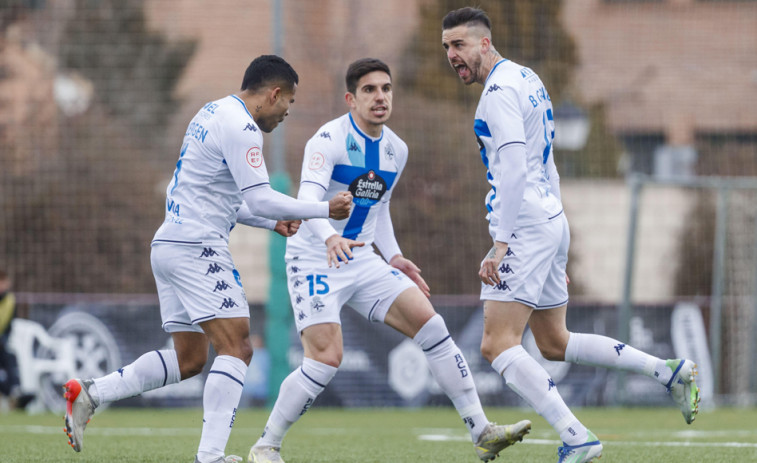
(357, 151)
(523, 275)
(220, 179)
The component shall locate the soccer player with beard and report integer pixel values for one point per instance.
(524, 274)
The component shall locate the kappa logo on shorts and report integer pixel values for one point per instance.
(502, 286)
(297, 283)
(214, 268)
(316, 305)
(301, 315)
(208, 252)
(221, 286)
(298, 300)
(294, 269)
(509, 252)
(228, 303)
(505, 268)
(551, 384)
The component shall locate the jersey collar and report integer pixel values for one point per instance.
(495, 67)
(244, 106)
(364, 134)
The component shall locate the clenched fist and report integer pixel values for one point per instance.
(339, 205)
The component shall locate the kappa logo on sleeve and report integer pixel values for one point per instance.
(316, 161)
(254, 157)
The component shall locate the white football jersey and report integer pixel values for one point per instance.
(341, 157)
(221, 157)
(515, 108)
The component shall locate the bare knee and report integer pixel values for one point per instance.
(191, 364)
(491, 348)
(552, 349)
(332, 357)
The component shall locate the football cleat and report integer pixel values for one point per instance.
(583, 453)
(227, 459)
(496, 437)
(264, 454)
(683, 387)
(79, 409)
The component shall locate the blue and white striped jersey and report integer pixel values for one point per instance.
(515, 110)
(341, 157)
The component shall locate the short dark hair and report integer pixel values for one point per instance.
(362, 67)
(268, 69)
(466, 15)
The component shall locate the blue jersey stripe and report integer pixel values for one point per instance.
(347, 174)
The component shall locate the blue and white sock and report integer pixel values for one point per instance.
(601, 351)
(451, 371)
(223, 389)
(297, 393)
(531, 382)
(150, 371)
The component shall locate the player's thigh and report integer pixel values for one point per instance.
(318, 292)
(380, 285)
(409, 312)
(504, 323)
(323, 343)
(526, 266)
(196, 284)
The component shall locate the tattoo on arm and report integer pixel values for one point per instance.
(492, 252)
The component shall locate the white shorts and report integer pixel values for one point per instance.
(533, 270)
(367, 284)
(196, 284)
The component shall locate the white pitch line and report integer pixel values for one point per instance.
(445, 437)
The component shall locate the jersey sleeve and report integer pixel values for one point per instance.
(246, 217)
(318, 162)
(384, 238)
(504, 116)
(317, 166)
(243, 153)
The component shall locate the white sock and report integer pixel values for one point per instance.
(297, 393)
(223, 389)
(601, 351)
(451, 371)
(150, 371)
(531, 382)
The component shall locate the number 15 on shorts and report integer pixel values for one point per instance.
(317, 284)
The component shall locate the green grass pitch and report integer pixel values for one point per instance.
(431, 435)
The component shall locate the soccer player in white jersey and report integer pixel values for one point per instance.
(330, 264)
(220, 179)
(523, 275)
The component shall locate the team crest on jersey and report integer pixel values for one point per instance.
(316, 161)
(367, 189)
(254, 157)
(389, 152)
